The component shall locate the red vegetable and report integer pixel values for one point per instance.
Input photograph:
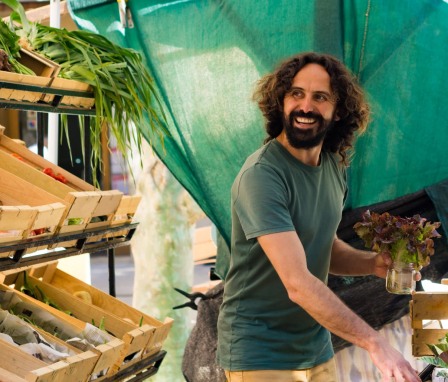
(48, 171)
(38, 231)
(60, 178)
(15, 155)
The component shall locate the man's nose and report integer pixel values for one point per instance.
(306, 105)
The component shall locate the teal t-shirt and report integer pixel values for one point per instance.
(259, 327)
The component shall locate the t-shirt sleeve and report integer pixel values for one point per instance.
(261, 202)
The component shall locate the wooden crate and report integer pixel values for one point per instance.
(23, 79)
(65, 84)
(17, 366)
(77, 205)
(46, 76)
(125, 214)
(100, 358)
(39, 64)
(429, 320)
(30, 167)
(142, 334)
(26, 211)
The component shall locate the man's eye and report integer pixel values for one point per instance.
(296, 93)
(320, 97)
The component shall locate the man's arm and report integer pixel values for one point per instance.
(287, 255)
(349, 261)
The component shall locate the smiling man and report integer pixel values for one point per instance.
(287, 202)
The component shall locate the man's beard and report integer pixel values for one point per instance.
(306, 138)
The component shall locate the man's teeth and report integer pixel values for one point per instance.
(305, 120)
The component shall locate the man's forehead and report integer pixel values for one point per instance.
(312, 77)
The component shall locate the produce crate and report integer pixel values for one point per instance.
(23, 79)
(44, 69)
(30, 167)
(45, 78)
(26, 211)
(17, 365)
(77, 205)
(142, 334)
(81, 367)
(39, 64)
(429, 320)
(59, 83)
(125, 214)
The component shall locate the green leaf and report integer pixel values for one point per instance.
(16, 6)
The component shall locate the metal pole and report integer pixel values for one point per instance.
(53, 118)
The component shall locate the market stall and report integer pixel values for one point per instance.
(46, 214)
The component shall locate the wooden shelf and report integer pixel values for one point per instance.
(45, 95)
(18, 260)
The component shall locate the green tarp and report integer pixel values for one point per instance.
(206, 56)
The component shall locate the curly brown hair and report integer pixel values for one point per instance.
(351, 106)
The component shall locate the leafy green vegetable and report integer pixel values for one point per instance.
(75, 221)
(409, 240)
(440, 351)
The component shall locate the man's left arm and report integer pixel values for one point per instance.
(349, 261)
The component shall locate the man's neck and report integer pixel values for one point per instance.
(310, 157)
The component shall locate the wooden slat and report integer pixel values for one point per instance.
(429, 306)
(427, 312)
(17, 361)
(7, 376)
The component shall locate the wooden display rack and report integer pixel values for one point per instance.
(56, 95)
(429, 320)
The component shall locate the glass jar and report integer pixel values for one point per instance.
(400, 278)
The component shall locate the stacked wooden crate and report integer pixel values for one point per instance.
(137, 336)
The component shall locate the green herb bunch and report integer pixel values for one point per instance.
(409, 239)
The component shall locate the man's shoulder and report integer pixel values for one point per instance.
(259, 166)
(264, 155)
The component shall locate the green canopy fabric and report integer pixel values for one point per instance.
(206, 55)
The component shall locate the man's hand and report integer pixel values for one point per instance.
(382, 261)
(392, 365)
